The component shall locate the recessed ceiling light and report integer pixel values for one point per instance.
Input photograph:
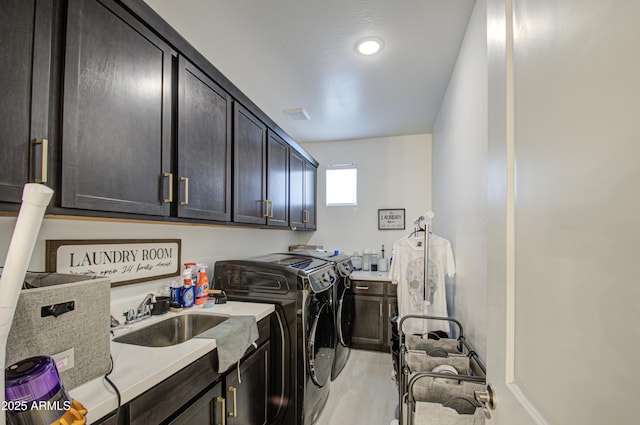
(369, 45)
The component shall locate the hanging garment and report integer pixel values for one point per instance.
(408, 272)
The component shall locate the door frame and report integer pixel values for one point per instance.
(513, 405)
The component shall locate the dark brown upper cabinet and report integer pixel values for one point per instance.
(277, 181)
(261, 178)
(302, 199)
(249, 167)
(116, 112)
(25, 71)
(110, 106)
(204, 146)
(310, 188)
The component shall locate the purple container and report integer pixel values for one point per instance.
(32, 379)
(33, 392)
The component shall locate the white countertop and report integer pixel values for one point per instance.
(137, 369)
(369, 275)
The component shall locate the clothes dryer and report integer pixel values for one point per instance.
(343, 304)
(303, 330)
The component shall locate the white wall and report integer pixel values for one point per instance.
(393, 172)
(205, 244)
(459, 179)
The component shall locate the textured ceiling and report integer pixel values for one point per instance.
(287, 54)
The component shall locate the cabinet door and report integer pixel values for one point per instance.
(24, 72)
(277, 181)
(310, 176)
(117, 112)
(249, 185)
(368, 331)
(392, 310)
(204, 146)
(206, 410)
(296, 189)
(247, 400)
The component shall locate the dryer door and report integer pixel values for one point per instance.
(344, 319)
(321, 347)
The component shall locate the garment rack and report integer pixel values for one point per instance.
(406, 383)
(417, 228)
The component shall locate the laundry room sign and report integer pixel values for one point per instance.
(391, 219)
(124, 261)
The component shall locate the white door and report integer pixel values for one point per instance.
(564, 204)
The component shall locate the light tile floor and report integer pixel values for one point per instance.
(364, 393)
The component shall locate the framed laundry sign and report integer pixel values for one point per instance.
(124, 261)
(391, 219)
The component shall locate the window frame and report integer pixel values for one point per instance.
(340, 167)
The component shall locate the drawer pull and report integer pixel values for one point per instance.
(169, 199)
(233, 391)
(223, 403)
(44, 159)
(363, 288)
(186, 190)
(269, 203)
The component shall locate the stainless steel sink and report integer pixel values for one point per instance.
(172, 331)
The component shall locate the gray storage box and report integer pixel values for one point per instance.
(85, 328)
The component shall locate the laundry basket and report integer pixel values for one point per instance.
(433, 400)
(438, 377)
(433, 347)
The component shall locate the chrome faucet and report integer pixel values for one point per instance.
(142, 312)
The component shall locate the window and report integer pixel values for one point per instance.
(342, 185)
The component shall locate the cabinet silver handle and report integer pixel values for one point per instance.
(266, 208)
(186, 190)
(364, 288)
(222, 401)
(233, 391)
(380, 309)
(44, 159)
(389, 312)
(169, 199)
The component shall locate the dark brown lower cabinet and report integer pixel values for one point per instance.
(112, 419)
(240, 398)
(246, 393)
(368, 331)
(368, 323)
(198, 394)
(392, 310)
(375, 303)
(205, 410)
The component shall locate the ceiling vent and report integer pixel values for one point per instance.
(297, 114)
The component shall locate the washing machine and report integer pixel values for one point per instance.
(343, 304)
(303, 330)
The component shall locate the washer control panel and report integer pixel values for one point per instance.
(345, 267)
(322, 279)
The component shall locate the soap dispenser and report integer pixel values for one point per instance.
(382, 262)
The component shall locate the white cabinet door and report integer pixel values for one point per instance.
(564, 205)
